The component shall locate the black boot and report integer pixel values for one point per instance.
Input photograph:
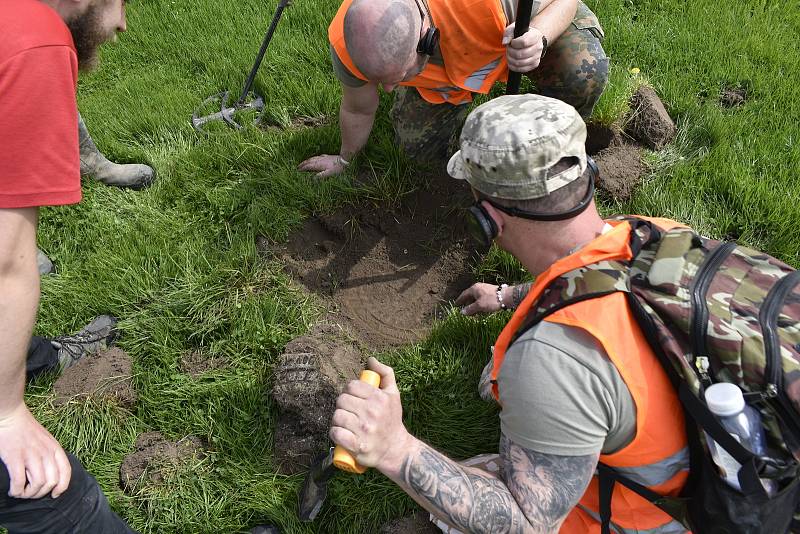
(95, 164)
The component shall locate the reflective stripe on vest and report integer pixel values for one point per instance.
(657, 457)
(673, 527)
(471, 45)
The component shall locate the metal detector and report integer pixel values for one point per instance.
(248, 100)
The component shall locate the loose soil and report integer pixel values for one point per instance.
(309, 375)
(196, 363)
(418, 523)
(387, 269)
(621, 169)
(153, 456)
(732, 97)
(107, 374)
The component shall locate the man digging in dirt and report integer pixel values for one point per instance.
(42, 44)
(534, 186)
(441, 53)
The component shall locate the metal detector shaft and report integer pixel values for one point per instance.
(264, 44)
(524, 8)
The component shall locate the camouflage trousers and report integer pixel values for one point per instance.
(574, 70)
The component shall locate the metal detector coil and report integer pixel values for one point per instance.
(248, 101)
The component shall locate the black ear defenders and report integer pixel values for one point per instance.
(430, 39)
(485, 230)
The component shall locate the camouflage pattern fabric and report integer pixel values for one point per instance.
(426, 132)
(510, 144)
(747, 292)
(574, 70)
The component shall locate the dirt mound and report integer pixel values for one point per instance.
(153, 456)
(649, 122)
(418, 523)
(197, 363)
(732, 97)
(107, 374)
(309, 376)
(387, 269)
(621, 169)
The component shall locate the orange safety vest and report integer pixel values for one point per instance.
(658, 456)
(471, 36)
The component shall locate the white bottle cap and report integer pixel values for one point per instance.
(724, 399)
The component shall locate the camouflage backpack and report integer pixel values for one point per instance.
(712, 312)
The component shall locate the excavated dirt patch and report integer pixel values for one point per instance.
(387, 269)
(418, 523)
(601, 136)
(154, 455)
(732, 97)
(309, 375)
(107, 374)
(621, 168)
(197, 363)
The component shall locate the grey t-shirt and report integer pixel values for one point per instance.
(349, 79)
(562, 395)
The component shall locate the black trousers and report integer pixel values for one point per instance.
(82, 509)
(42, 357)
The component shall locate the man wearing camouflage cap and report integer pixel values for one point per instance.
(579, 387)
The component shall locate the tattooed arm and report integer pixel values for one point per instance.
(535, 494)
(538, 492)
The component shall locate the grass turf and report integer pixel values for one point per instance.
(178, 262)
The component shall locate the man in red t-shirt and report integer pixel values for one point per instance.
(42, 44)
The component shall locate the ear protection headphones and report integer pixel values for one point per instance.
(485, 230)
(430, 39)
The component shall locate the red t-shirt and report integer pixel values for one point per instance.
(39, 156)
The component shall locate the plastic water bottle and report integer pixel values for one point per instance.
(743, 423)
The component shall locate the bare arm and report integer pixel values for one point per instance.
(552, 18)
(536, 494)
(356, 116)
(35, 461)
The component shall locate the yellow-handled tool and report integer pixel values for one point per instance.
(315, 487)
(341, 458)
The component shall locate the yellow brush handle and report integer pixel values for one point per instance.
(341, 458)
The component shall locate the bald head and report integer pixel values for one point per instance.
(382, 36)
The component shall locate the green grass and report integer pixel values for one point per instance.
(178, 262)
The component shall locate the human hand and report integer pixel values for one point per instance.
(368, 421)
(525, 52)
(324, 165)
(36, 463)
(481, 298)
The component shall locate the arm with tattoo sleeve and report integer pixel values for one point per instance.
(538, 492)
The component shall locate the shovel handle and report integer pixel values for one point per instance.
(341, 457)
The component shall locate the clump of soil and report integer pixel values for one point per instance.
(309, 375)
(153, 456)
(417, 523)
(621, 168)
(106, 374)
(732, 97)
(387, 269)
(197, 363)
(648, 122)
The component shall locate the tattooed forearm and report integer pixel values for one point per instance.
(473, 502)
(520, 290)
(539, 491)
(547, 486)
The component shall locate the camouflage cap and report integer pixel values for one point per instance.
(508, 144)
